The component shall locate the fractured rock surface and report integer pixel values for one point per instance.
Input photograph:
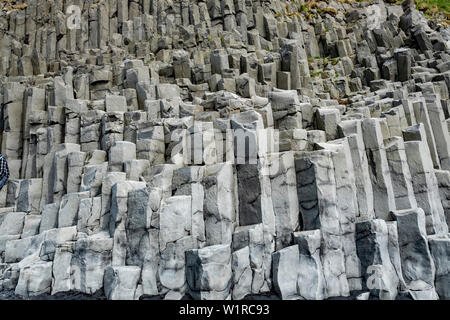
(223, 149)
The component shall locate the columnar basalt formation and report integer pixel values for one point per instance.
(220, 149)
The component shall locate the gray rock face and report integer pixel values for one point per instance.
(34, 279)
(412, 239)
(377, 269)
(242, 273)
(286, 263)
(220, 149)
(352, 129)
(310, 281)
(121, 282)
(316, 187)
(384, 198)
(425, 186)
(208, 272)
(90, 259)
(443, 178)
(298, 271)
(439, 248)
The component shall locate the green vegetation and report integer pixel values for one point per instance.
(439, 9)
(432, 9)
(315, 74)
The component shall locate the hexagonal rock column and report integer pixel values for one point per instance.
(175, 238)
(35, 279)
(242, 273)
(384, 199)
(310, 281)
(283, 194)
(120, 283)
(440, 251)
(208, 272)
(425, 186)
(347, 205)
(120, 152)
(412, 240)
(118, 218)
(59, 172)
(439, 127)
(443, 178)
(421, 113)
(286, 266)
(75, 163)
(352, 129)
(220, 203)
(400, 174)
(316, 188)
(261, 246)
(378, 273)
(91, 257)
(90, 129)
(29, 195)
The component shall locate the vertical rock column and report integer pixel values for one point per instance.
(150, 143)
(49, 138)
(378, 272)
(443, 178)
(421, 114)
(209, 272)
(261, 246)
(245, 128)
(34, 113)
(283, 193)
(13, 99)
(219, 204)
(175, 238)
(400, 174)
(439, 127)
(73, 109)
(310, 281)
(142, 231)
(242, 273)
(413, 244)
(440, 251)
(112, 129)
(131, 121)
(352, 129)
(187, 181)
(90, 130)
(59, 171)
(119, 153)
(91, 257)
(118, 219)
(384, 199)
(347, 206)
(287, 116)
(109, 180)
(316, 188)
(425, 186)
(290, 56)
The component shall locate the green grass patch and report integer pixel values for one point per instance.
(437, 9)
(433, 6)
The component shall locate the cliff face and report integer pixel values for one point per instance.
(219, 149)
